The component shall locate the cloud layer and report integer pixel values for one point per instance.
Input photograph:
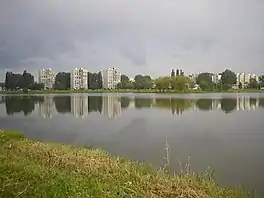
(136, 36)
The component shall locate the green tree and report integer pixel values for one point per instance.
(172, 73)
(93, 81)
(180, 83)
(62, 81)
(100, 80)
(37, 86)
(253, 84)
(125, 83)
(143, 82)
(261, 81)
(181, 73)
(163, 83)
(10, 82)
(17, 81)
(124, 78)
(240, 86)
(148, 82)
(177, 72)
(26, 80)
(228, 79)
(204, 85)
(204, 80)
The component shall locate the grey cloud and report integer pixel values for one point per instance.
(206, 35)
(136, 54)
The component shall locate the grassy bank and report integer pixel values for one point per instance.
(131, 91)
(34, 169)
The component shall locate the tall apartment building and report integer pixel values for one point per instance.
(47, 77)
(79, 78)
(244, 79)
(193, 77)
(216, 78)
(111, 77)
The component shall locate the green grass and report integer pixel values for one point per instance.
(131, 91)
(34, 169)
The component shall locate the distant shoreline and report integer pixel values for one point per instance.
(129, 91)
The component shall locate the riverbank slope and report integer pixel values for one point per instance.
(34, 169)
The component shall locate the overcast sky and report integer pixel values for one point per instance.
(136, 36)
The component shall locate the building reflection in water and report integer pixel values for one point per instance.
(46, 107)
(113, 105)
(79, 106)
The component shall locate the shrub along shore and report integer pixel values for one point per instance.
(130, 91)
(34, 169)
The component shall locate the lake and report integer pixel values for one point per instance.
(224, 131)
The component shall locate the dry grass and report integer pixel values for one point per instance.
(34, 169)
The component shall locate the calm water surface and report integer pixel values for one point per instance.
(223, 131)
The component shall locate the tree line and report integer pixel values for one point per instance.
(227, 80)
(23, 81)
(175, 81)
(178, 81)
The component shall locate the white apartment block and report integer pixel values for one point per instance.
(79, 78)
(244, 79)
(111, 77)
(193, 77)
(47, 77)
(216, 78)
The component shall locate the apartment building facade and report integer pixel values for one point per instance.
(47, 77)
(79, 78)
(216, 78)
(244, 79)
(111, 77)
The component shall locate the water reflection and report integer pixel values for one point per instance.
(112, 106)
(206, 104)
(79, 106)
(25, 104)
(62, 104)
(46, 107)
(176, 105)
